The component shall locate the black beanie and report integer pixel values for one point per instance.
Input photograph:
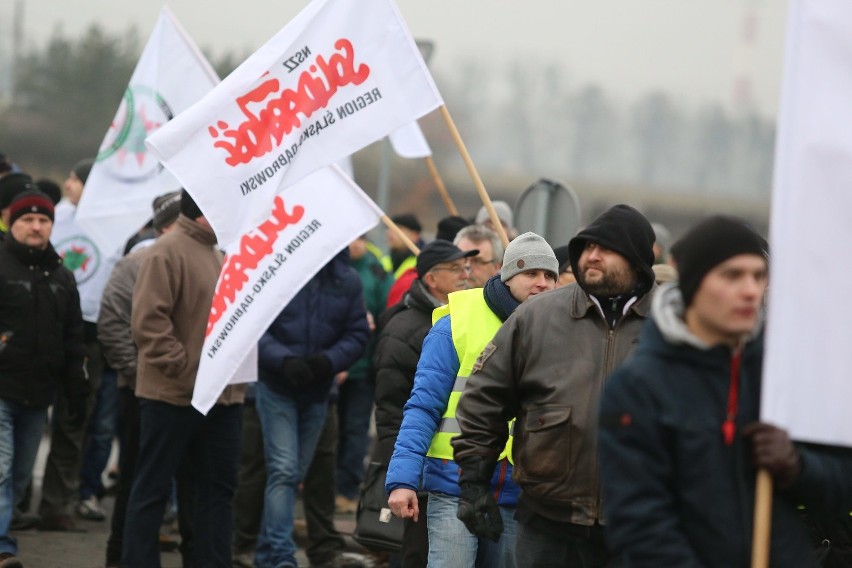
(51, 189)
(407, 220)
(624, 230)
(13, 184)
(188, 206)
(82, 168)
(710, 243)
(449, 227)
(562, 257)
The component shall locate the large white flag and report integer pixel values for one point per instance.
(171, 76)
(808, 371)
(341, 75)
(311, 222)
(408, 142)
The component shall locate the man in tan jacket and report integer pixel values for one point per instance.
(171, 302)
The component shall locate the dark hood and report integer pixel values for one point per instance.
(626, 231)
(338, 267)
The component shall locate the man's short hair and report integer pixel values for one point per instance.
(481, 233)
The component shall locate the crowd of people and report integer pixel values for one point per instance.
(583, 404)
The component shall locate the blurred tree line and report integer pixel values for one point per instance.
(523, 119)
(66, 95)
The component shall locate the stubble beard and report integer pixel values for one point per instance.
(611, 283)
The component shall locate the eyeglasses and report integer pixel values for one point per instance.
(455, 269)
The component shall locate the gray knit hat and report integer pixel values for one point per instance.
(528, 252)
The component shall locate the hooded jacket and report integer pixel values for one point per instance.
(546, 366)
(626, 231)
(326, 316)
(674, 493)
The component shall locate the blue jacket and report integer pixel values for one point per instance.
(326, 316)
(433, 383)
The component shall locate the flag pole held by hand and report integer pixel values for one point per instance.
(762, 520)
(477, 182)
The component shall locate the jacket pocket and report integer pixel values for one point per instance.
(546, 449)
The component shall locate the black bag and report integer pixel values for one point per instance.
(376, 528)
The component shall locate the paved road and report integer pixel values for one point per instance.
(86, 549)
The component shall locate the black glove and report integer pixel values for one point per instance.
(78, 407)
(479, 511)
(772, 449)
(320, 366)
(296, 371)
(477, 508)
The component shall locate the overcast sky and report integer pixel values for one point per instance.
(693, 49)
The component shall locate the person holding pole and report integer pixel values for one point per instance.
(679, 439)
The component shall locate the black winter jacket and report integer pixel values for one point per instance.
(402, 330)
(41, 327)
(674, 493)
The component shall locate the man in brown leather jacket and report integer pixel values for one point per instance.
(547, 366)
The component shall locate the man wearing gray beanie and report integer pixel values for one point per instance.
(462, 329)
(546, 367)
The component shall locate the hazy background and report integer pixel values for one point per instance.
(667, 105)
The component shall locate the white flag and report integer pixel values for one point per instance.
(311, 222)
(409, 142)
(171, 75)
(90, 263)
(341, 75)
(807, 386)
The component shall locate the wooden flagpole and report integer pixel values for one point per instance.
(762, 520)
(477, 182)
(399, 233)
(442, 189)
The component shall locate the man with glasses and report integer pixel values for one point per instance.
(441, 271)
(423, 450)
(490, 258)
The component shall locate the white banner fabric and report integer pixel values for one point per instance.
(408, 142)
(338, 77)
(806, 385)
(310, 223)
(171, 75)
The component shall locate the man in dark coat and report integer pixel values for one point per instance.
(41, 348)
(321, 332)
(679, 439)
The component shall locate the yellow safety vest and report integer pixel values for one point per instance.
(409, 262)
(473, 325)
(383, 259)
